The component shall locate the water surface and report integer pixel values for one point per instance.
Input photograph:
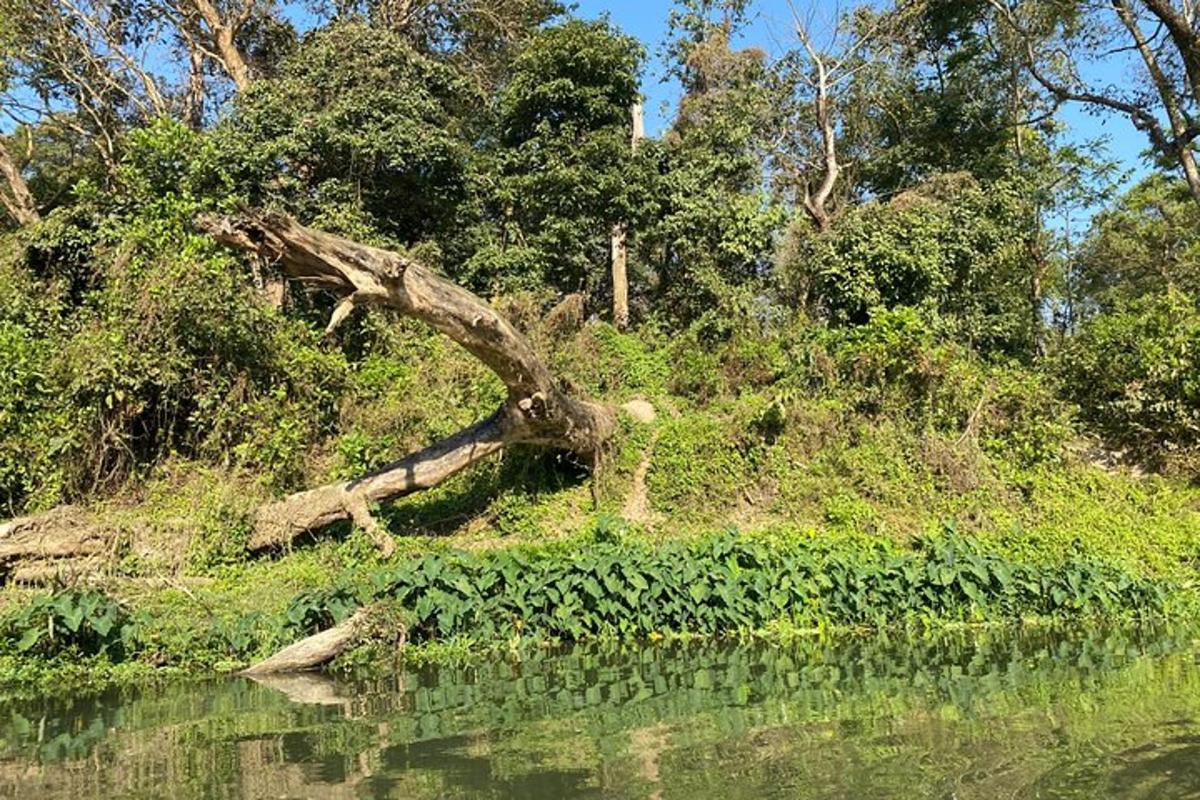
(1067, 714)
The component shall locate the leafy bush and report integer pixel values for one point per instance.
(725, 583)
(953, 245)
(699, 466)
(163, 347)
(1135, 373)
(354, 132)
(77, 622)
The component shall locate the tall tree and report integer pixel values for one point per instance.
(820, 73)
(561, 173)
(711, 239)
(214, 30)
(620, 235)
(84, 65)
(357, 131)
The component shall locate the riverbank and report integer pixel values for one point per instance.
(611, 584)
(881, 480)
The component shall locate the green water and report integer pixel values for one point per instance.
(1068, 714)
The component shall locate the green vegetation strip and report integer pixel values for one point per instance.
(611, 587)
(727, 583)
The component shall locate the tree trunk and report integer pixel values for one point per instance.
(18, 201)
(316, 650)
(1181, 141)
(536, 411)
(1191, 174)
(193, 99)
(620, 279)
(620, 251)
(222, 33)
(51, 544)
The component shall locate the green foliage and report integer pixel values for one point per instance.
(698, 467)
(1135, 375)
(954, 246)
(356, 132)
(1144, 244)
(710, 242)
(315, 611)
(562, 171)
(618, 365)
(71, 622)
(221, 530)
(727, 583)
(35, 427)
(128, 337)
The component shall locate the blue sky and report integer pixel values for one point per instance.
(770, 30)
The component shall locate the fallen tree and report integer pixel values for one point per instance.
(61, 544)
(538, 410)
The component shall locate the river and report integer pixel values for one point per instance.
(1067, 713)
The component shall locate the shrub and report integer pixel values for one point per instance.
(79, 622)
(1135, 373)
(952, 244)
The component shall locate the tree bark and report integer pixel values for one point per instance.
(50, 544)
(1166, 92)
(193, 99)
(536, 411)
(221, 33)
(18, 201)
(816, 201)
(620, 278)
(1184, 35)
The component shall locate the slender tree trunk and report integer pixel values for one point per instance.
(816, 203)
(620, 250)
(17, 201)
(620, 278)
(193, 101)
(536, 411)
(1166, 94)
(1187, 160)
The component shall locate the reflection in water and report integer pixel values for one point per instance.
(968, 715)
